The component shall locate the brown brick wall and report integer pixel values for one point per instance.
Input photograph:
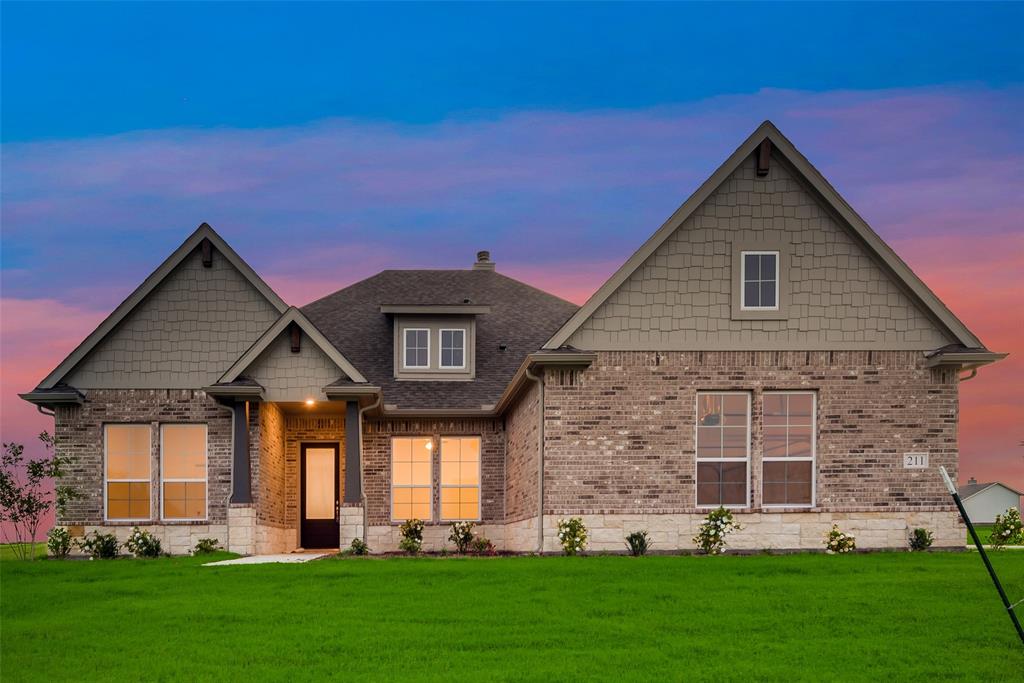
(79, 432)
(620, 435)
(270, 482)
(377, 461)
(300, 429)
(521, 424)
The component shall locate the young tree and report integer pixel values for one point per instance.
(23, 498)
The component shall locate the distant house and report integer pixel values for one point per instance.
(984, 501)
(764, 350)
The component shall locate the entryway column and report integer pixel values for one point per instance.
(353, 487)
(241, 474)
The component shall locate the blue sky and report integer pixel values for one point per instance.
(328, 141)
(86, 69)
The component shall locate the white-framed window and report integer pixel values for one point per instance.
(723, 449)
(460, 478)
(416, 347)
(759, 279)
(127, 473)
(452, 349)
(183, 471)
(412, 480)
(789, 450)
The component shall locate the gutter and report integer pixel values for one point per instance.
(540, 459)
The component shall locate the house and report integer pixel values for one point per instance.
(763, 350)
(984, 501)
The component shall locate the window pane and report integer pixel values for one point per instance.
(709, 410)
(709, 442)
(734, 494)
(401, 449)
(775, 409)
(401, 473)
(128, 500)
(421, 473)
(800, 442)
(470, 472)
(801, 409)
(447, 358)
(751, 294)
(410, 357)
(128, 450)
(735, 409)
(768, 266)
(422, 448)
(787, 483)
(457, 358)
(774, 442)
(734, 442)
(751, 267)
(767, 294)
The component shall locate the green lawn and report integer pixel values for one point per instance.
(7, 550)
(898, 616)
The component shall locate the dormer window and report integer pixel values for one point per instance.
(416, 353)
(453, 349)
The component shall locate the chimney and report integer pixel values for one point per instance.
(483, 261)
(972, 480)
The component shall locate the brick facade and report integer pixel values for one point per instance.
(619, 437)
(521, 424)
(79, 433)
(377, 462)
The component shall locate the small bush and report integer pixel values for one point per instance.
(205, 546)
(412, 536)
(572, 534)
(358, 547)
(99, 546)
(921, 539)
(710, 538)
(481, 545)
(58, 542)
(837, 541)
(638, 543)
(461, 535)
(1008, 529)
(142, 543)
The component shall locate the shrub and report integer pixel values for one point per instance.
(638, 543)
(838, 542)
(572, 534)
(205, 546)
(461, 535)
(58, 542)
(1008, 529)
(481, 545)
(358, 547)
(142, 543)
(412, 536)
(99, 546)
(710, 538)
(921, 539)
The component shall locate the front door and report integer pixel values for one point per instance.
(319, 526)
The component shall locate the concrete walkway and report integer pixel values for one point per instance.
(281, 558)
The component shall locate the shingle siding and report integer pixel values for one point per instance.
(681, 298)
(188, 331)
(295, 377)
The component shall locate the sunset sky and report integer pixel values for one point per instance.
(327, 142)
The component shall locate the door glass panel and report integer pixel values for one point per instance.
(320, 483)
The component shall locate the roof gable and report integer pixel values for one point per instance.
(179, 258)
(267, 339)
(826, 194)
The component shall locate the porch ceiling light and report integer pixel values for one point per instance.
(310, 402)
(430, 445)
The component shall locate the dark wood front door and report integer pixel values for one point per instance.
(320, 495)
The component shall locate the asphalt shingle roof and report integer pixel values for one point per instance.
(522, 318)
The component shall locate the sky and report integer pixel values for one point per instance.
(327, 142)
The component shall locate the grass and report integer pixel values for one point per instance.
(7, 550)
(984, 533)
(794, 617)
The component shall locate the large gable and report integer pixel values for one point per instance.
(187, 323)
(844, 288)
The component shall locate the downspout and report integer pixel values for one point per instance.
(44, 411)
(540, 460)
(362, 484)
(974, 373)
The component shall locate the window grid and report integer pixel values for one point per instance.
(129, 491)
(412, 478)
(416, 348)
(759, 280)
(452, 349)
(718, 429)
(460, 478)
(187, 494)
(786, 425)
